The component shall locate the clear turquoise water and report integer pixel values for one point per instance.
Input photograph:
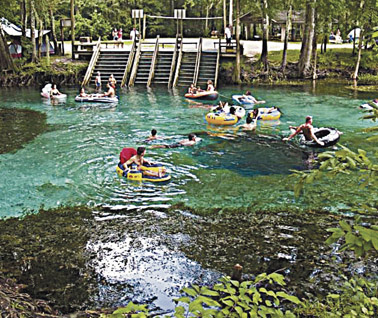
(74, 161)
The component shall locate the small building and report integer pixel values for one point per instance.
(14, 34)
(250, 21)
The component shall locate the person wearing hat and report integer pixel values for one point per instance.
(308, 131)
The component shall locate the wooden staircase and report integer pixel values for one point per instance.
(144, 66)
(207, 68)
(163, 67)
(187, 69)
(111, 62)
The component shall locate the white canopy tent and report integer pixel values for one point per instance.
(14, 30)
(352, 33)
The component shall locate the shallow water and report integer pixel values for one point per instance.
(73, 163)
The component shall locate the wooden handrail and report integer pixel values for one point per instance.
(217, 66)
(153, 62)
(178, 65)
(92, 63)
(198, 61)
(135, 65)
(173, 64)
(128, 64)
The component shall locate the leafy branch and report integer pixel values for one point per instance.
(229, 298)
(358, 238)
(341, 161)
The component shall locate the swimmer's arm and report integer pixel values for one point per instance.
(128, 163)
(299, 129)
(314, 138)
(146, 161)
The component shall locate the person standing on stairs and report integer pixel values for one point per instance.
(98, 81)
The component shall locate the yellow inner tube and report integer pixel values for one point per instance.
(268, 114)
(221, 119)
(137, 175)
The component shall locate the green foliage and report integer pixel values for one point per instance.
(357, 237)
(131, 310)
(342, 161)
(229, 298)
(357, 298)
(368, 79)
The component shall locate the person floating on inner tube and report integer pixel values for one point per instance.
(54, 91)
(220, 107)
(247, 97)
(192, 89)
(110, 93)
(139, 160)
(210, 86)
(250, 124)
(192, 140)
(308, 131)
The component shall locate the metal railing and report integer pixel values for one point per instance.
(92, 63)
(153, 62)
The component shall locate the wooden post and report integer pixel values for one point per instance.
(62, 38)
(144, 26)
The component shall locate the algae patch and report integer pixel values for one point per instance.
(19, 126)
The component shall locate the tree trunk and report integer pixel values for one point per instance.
(314, 56)
(238, 67)
(230, 22)
(207, 20)
(304, 63)
(53, 33)
(325, 43)
(286, 41)
(224, 15)
(6, 62)
(73, 28)
(208, 8)
(40, 39)
(24, 20)
(360, 41)
(264, 53)
(357, 67)
(32, 29)
(47, 39)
